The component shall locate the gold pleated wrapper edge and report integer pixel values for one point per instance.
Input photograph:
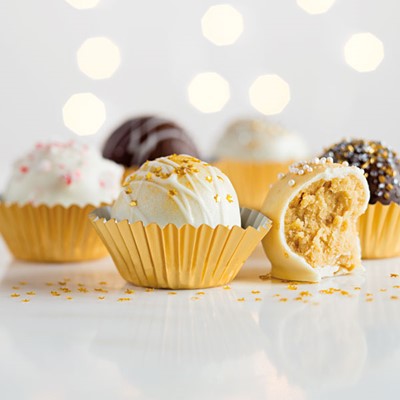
(179, 258)
(54, 234)
(128, 171)
(379, 230)
(252, 180)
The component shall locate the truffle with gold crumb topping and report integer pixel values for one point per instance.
(179, 190)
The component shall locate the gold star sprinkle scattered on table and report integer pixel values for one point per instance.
(69, 298)
(122, 299)
(54, 293)
(258, 299)
(172, 293)
(200, 293)
(227, 288)
(25, 300)
(101, 290)
(102, 283)
(283, 299)
(292, 287)
(83, 290)
(357, 288)
(31, 293)
(255, 292)
(240, 299)
(15, 287)
(65, 289)
(394, 275)
(394, 297)
(129, 291)
(148, 290)
(49, 284)
(195, 298)
(15, 295)
(101, 297)
(23, 283)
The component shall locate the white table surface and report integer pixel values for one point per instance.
(227, 343)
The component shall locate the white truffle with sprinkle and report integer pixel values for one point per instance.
(179, 190)
(314, 209)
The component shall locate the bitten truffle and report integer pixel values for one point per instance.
(147, 138)
(179, 190)
(63, 173)
(314, 209)
(380, 164)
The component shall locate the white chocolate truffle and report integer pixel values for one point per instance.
(314, 209)
(63, 174)
(261, 141)
(178, 190)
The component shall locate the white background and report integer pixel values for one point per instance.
(162, 49)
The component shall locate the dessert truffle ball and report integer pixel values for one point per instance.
(178, 189)
(147, 138)
(380, 164)
(63, 173)
(314, 209)
(259, 140)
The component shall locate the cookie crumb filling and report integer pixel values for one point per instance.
(321, 223)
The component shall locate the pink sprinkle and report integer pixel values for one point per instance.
(23, 169)
(102, 184)
(68, 179)
(39, 145)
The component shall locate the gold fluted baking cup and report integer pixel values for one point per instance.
(50, 234)
(127, 172)
(379, 230)
(179, 258)
(252, 180)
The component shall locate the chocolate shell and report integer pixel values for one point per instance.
(147, 138)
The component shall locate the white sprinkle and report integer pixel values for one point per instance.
(323, 160)
(329, 160)
(300, 172)
(291, 182)
(281, 175)
(345, 163)
(316, 160)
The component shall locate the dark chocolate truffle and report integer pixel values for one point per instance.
(380, 164)
(147, 138)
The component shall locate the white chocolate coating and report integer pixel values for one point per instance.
(261, 141)
(65, 174)
(286, 264)
(178, 189)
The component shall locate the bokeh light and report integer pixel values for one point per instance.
(83, 4)
(315, 6)
(84, 114)
(364, 52)
(98, 58)
(208, 92)
(269, 94)
(222, 24)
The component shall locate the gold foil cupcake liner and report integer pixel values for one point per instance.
(179, 258)
(127, 172)
(379, 230)
(251, 180)
(50, 234)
